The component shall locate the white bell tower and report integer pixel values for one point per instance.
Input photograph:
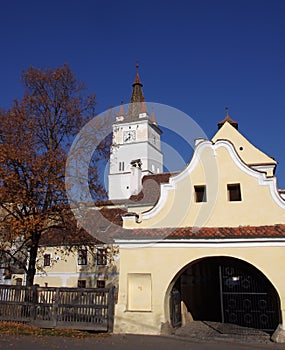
(135, 149)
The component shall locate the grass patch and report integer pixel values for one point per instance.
(13, 328)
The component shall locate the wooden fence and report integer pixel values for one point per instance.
(47, 307)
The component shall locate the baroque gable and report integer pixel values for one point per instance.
(216, 166)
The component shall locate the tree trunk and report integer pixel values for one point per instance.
(32, 260)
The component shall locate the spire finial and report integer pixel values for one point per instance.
(227, 111)
(137, 78)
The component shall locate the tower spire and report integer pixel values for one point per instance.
(137, 97)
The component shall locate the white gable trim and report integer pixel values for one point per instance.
(263, 180)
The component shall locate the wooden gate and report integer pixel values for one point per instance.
(75, 308)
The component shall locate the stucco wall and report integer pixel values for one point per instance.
(163, 261)
(64, 270)
(215, 166)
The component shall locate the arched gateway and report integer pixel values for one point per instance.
(228, 290)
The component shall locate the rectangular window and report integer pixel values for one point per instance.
(81, 284)
(101, 256)
(101, 284)
(234, 192)
(82, 257)
(200, 194)
(47, 260)
(121, 166)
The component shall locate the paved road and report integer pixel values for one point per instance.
(127, 342)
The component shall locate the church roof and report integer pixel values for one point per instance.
(137, 93)
(149, 194)
(137, 109)
(151, 188)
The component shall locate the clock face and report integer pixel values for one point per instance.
(129, 136)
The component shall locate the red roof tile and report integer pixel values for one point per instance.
(148, 195)
(275, 231)
(111, 232)
(60, 237)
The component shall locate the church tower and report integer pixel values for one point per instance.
(135, 149)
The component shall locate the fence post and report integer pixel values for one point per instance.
(111, 305)
(55, 307)
(34, 302)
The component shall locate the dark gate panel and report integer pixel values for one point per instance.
(247, 298)
(229, 290)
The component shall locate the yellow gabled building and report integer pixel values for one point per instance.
(209, 245)
(206, 243)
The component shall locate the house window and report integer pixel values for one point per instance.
(47, 260)
(101, 256)
(81, 284)
(121, 166)
(234, 192)
(101, 284)
(82, 257)
(200, 194)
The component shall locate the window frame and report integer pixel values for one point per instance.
(121, 166)
(82, 257)
(101, 257)
(234, 192)
(47, 260)
(200, 196)
(102, 282)
(83, 282)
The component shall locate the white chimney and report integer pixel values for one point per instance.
(136, 177)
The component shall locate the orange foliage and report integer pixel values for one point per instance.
(35, 135)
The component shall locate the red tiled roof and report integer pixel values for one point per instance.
(60, 237)
(232, 232)
(148, 195)
(111, 233)
(275, 231)
(151, 188)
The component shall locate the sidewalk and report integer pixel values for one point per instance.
(128, 342)
(204, 330)
(196, 335)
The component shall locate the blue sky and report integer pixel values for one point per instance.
(198, 56)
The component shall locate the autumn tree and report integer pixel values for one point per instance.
(35, 135)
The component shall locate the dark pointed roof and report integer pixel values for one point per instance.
(137, 93)
(137, 101)
(229, 120)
